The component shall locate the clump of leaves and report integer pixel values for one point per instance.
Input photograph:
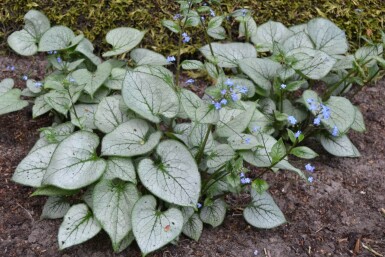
(136, 155)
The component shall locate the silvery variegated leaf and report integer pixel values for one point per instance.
(36, 23)
(6, 85)
(158, 71)
(227, 55)
(193, 227)
(359, 123)
(115, 81)
(312, 63)
(113, 202)
(78, 226)
(98, 96)
(57, 38)
(270, 34)
(123, 40)
(110, 113)
(367, 54)
(192, 65)
(242, 141)
(84, 117)
(232, 121)
(154, 229)
(298, 40)
(218, 33)
(33, 86)
(127, 240)
(10, 101)
(143, 56)
(53, 191)
(190, 102)
(339, 146)
(62, 99)
(263, 212)
(32, 168)
(198, 134)
(261, 123)
(214, 214)
(40, 107)
(121, 168)
(86, 48)
(219, 155)
(131, 138)
(74, 163)
(149, 96)
(247, 27)
(174, 177)
(92, 81)
(261, 71)
(55, 207)
(327, 37)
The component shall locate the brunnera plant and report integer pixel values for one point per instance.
(133, 153)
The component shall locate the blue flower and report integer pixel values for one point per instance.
(199, 205)
(242, 175)
(317, 121)
(11, 68)
(186, 38)
(202, 18)
(171, 59)
(229, 82)
(256, 128)
(283, 86)
(245, 180)
(297, 134)
(310, 179)
(235, 97)
(212, 13)
(309, 100)
(292, 120)
(25, 77)
(59, 59)
(72, 80)
(309, 167)
(38, 84)
(223, 92)
(50, 52)
(177, 16)
(217, 105)
(223, 101)
(325, 112)
(247, 140)
(335, 131)
(55, 52)
(242, 89)
(189, 81)
(244, 11)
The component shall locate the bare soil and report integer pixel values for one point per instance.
(340, 214)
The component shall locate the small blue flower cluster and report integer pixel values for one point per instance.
(199, 205)
(38, 84)
(244, 180)
(171, 59)
(232, 92)
(190, 81)
(10, 68)
(292, 120)
(311, 169)
(323, 113)
(298, 133)
(52, 52)
(212, 13)
(177, 17)
(186, 37)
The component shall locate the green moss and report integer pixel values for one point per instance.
(95, 17)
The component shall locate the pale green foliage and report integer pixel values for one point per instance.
(183, 151)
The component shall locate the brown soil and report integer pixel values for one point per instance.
(335, 216)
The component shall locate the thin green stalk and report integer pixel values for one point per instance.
(203, 145)
(209, 43)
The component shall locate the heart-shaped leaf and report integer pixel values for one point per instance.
(131, 138)
(269, 34)
(327, 36)
(92, 81)
(40, 107)
(263, 212)
(84, 117)
(22, 43)
(10, 101)
(242, 141)
(261, 71)
(121, 168)
(74, 163)
(55, 207)
(154, 229)
(87, 49)
(219, 155)
(227, 55)
(339, 146)
(215, 213)
(112, 204)
(115, 81)
(6, 85)
(174, 177)
(149, 96)
(36, 23)
(31, 169)
(56, 38)
(123, 40)
(110, 114)
(193, 227)
(143, 56)
(78, 226)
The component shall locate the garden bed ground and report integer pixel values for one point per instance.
(340, 212)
